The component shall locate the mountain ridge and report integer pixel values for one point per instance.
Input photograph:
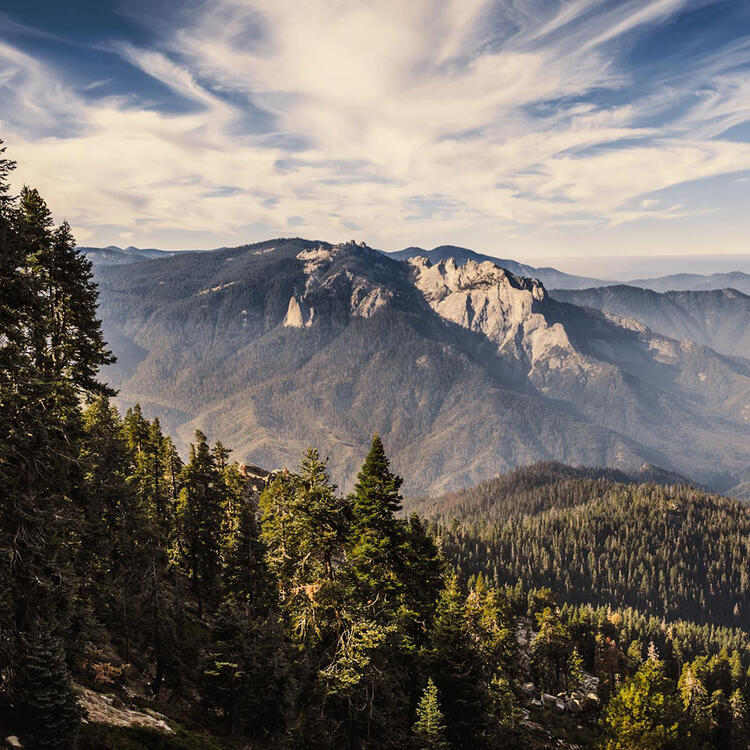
(718, 318)
(457, 396)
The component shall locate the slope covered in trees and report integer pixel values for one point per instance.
(305, 617)
(591, 536)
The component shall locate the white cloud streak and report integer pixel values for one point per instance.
(477, 118)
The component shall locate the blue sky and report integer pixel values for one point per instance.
(522, 128)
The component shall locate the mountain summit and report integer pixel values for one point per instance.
(465, 370)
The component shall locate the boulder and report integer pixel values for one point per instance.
(13, 742)
(548, 701)
(582, 699)
(573, 706)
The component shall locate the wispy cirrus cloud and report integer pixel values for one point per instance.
(413, 122)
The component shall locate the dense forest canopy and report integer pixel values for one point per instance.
(306, 617)
(596, 536)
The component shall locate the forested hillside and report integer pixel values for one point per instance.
(153, 600)
(675, 552)
(532, 489)
(597, 536)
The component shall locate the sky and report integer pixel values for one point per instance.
(520, 128)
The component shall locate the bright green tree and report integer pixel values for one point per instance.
(428, 731)
(305, 526)
(643, 714)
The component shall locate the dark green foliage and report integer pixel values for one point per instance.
(106, 737)
(199, 519)
(51, 347)
(458, 669)
(675, 551)
(376, 534)
(42, 694)
(243, 672)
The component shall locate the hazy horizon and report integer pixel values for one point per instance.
(611, 268)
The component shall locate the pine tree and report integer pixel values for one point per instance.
(246, 579)
(50, 350)
(305, 526)
(429, 727)
(45, 703)
(376, 533)
(740, 719)
(644, 714)
(115, 530)
(200, 514)
(550, 651)
(244, 670)
(457, 667)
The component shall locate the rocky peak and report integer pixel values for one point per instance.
(485, 298)
(331, 272)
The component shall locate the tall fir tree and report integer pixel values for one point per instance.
(458, 670)
(428, 732)
(376, 533)
(200, 510)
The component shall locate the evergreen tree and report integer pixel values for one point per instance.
(376, 534)
(305, 526)
(740, 719)
(115, 532)
(458, 671)
(50, 350)
(246, 579)
(429, 728)
(244, 670)
(644, 714)
(200, 508)
(43, 695)
(550, 651)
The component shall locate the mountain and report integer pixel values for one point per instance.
(550, 277)
(465, 371)
(696, 282)
(719, 318)
(117, 256)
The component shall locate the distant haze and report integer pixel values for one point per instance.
(629, 267)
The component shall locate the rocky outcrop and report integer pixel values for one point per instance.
(487, 299)
(109, 709)
(299, 314)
